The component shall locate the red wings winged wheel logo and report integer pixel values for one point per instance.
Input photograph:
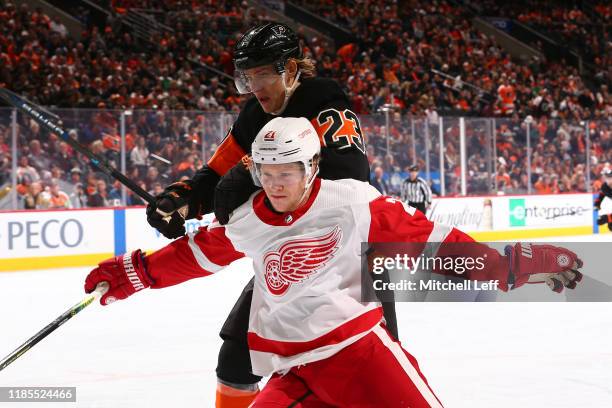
(297, 259)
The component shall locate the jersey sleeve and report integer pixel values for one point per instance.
(227, 154)
(395, 221)
(408, 231)
(203, 186)
(198, 254)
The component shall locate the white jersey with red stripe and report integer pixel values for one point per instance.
(307, 297)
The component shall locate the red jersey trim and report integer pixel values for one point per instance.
(347, 330)
(272, 218)
(393, 221)
(216, 246)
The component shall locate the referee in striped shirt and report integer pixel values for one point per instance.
(415, 190)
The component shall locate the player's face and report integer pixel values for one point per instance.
(267, 86)
(284, 185)
(608, 180)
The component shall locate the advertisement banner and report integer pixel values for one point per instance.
(552, 211)
(47, 239)
(503, 24)
(465, 213)
(52, 233)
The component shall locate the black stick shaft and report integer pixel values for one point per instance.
(51, 327)
(46, 120)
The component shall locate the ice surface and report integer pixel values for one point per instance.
(159, 348)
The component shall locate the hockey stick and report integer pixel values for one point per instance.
(67, 315)
(52, 123)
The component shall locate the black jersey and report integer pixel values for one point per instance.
(605, 191)
(322, 101)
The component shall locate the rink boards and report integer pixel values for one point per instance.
(70, 238)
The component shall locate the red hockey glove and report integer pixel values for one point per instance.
(125, 274)
(555, 266)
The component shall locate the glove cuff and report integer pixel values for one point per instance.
(135, 268)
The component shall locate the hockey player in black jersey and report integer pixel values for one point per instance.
(270, 65)
(605, 191)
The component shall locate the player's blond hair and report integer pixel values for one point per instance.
(306, 66)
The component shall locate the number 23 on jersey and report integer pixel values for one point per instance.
(339, 129)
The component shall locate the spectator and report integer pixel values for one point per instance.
(115, 193)
(503, 180)
(152, 176)
(58, 199)
(133, 199)
(156, 189)
(25, 170)
(507, 96)
(75, 175)
(543, 185)
(187, 166)
(101, 197)
(207, 102)
(57, 26)
(36, 198)
(140, 153)
(37, 157)
(379, 182)
(78, 198)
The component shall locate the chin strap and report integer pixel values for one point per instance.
(288, 92)
(307, 187)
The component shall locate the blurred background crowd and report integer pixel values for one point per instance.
(425, 62)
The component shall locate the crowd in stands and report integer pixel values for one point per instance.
(108, 69)
(585, 27)
(426, 59)
(428, 53)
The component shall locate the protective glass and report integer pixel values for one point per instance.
(269, 177)
(248, 83)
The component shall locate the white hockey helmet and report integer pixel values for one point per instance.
(286, 140)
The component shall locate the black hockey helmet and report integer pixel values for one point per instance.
(268, 43)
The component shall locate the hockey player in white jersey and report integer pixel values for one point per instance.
(308, 327)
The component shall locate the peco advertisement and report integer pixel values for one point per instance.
(27, 234)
